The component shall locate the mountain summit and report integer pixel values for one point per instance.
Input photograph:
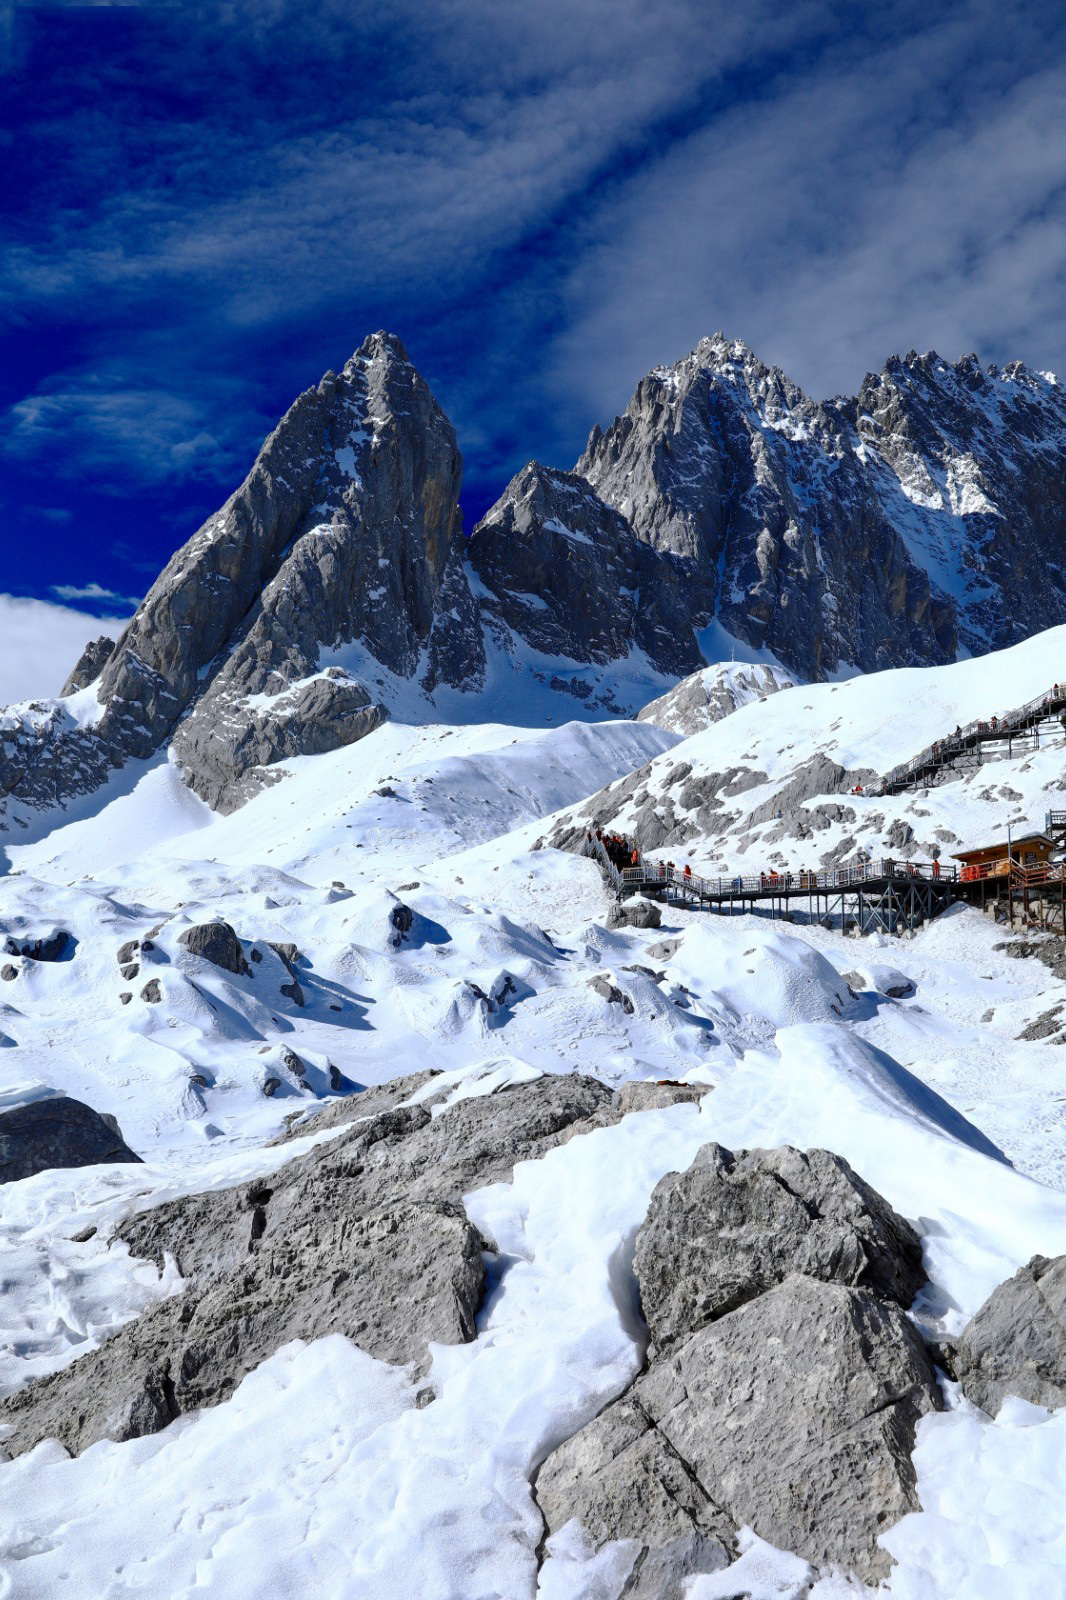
(923, 518)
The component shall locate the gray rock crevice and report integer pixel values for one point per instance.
(783, 1382)
(363, 1235)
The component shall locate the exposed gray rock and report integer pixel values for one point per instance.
(288, 953)
(8, 972)
(152, 992)
(707, 696)
(369, 1102)
(644, 1094)
(567, 573)
(1016, 1343)
(794, 1415)
(216, 942)
(1046, 1026)
(732, 1226)
(45, 947)
(636, 913)
(91, 663)
(364, 1235)
(57, 1132)
(611, 992)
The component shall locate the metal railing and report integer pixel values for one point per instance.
(962, 739)
(757, 885)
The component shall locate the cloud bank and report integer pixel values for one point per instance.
(40, 643)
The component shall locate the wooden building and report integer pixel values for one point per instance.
(994, 861)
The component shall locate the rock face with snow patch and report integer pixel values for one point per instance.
(216, 942)
(565, 572)
(1016, 1343)
(872, 532)
(90, 664)
(365, 1235)
(784, 1385)
(706, 697)
(57, 1132)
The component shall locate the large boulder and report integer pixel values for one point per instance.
(793, 1415)
(216, 942)
(734, 1225)
(784, 1381)
(638, 913)
(364, 1235)
(57, 1132)
(1016, 1342)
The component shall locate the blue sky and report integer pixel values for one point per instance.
(207, 206)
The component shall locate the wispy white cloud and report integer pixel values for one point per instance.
(545, 201)
(122, 430)
(95, 592)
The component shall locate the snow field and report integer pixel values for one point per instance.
(322, 1475)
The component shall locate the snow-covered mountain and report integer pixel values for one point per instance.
(723, 510)
(924, 516)
(716, 692)
(775, 781)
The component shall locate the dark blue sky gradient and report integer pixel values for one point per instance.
(206, 207)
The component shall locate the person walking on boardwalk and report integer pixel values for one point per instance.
(936, 866)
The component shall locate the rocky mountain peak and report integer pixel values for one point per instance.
(335, 584)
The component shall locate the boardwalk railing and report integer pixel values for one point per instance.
(753, 886)
(943, 751)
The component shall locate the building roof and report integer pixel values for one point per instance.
(1023, 840)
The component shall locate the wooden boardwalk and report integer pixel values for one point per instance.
(1042, 718)
(883, 896)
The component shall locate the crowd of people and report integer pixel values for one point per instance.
(621, 852)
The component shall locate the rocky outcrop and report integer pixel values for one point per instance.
(706, 697)
(634, 913)
(793, 1415)
(873, 532)
(54, 946)
(565, 572)
(784, 1381)
(216, 942)
(1016, 1343)
(57, 1132)
(365, 1235)
(90, 664)
(732, 1227)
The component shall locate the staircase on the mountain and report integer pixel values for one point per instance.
(1022, 728)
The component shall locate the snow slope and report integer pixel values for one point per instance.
(771, 784)
(322, 1475)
